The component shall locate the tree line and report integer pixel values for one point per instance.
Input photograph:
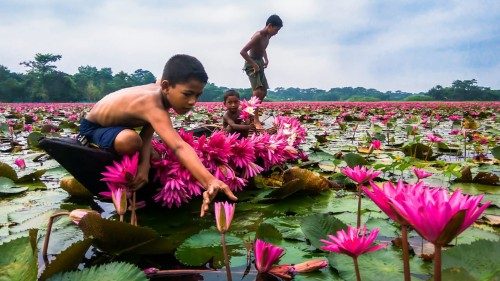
(42, 82)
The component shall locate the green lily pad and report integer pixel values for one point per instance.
(373, 266)
(33, 139)
(473, 234)
(319, 226)
(68, 259)
(31, 177)
(480, 259)
(288, 226)
(117, 238)
(476, 188)
(353, 159)
(456, 274)
(7, 171)
(8, 187)
(206, 245)
(110, 271)
(19, 260)
(269, 233)
(496, 152)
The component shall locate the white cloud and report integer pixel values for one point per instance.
(384, 45)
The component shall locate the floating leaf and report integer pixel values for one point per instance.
(480, 259)
(206, 245)
(7, 171)
(118, 237)
(486, 178)
(110, 271)
(31, 177)
(18, 259)
(496, 152)
(319, 226)
(268, 233)
(418, 150)
(373, 266)
(33, 139)
(310, 181)
(353, 159)
(456, 274)
(68, 259)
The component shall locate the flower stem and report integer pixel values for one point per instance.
(406, 256)
(358, 222)
(226, 257)
(356, 268)
(437, 262)
(47, 235)
(133, 216)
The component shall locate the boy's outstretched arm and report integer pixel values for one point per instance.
(160, 121)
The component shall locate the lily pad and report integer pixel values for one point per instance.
(353, 159)
(373, 266)
(7, 171)
(496, 152)
(118, 237)
(206, 246)
(67, 260)
(18, 260)
(33, 140)
(319, 226)
(75, 188)
(480, 259)
(110, 271)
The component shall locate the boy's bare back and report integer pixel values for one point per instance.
(127, 107)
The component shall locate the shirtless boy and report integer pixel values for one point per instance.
(232, 122)
(256, 60)
(110, 123)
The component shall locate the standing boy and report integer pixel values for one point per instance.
(256, 60)
(110, 123)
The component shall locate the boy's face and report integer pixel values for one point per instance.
(232, 103)
(273, 30)
(183, 96)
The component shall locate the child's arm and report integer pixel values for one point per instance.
(160, 121)
(244, 52)
(142, 176)
(237, 127)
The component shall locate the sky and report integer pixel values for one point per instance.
(387, 45)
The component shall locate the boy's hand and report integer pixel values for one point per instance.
(141, 178)
(256, 68)
(213, 187)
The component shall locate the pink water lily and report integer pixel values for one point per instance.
(360, 174)
(353, 243)
(122, 172)
(421, 173)
(376, 144)
(266, 254)
(224, 212)
(118, 193)
(434, 138)
(437, 216)
(20, 163)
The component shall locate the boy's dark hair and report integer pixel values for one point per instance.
(231, 93)
(181, 68)
(274, 20)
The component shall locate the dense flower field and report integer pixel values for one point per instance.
(334, 176)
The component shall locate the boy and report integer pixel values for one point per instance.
(109, 123)
(257, 60)
(232, 122)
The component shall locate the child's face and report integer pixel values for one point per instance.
(232, 103)
(273, 30)
(183, 96)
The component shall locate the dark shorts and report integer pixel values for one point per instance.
(256, 79)
(103, 137)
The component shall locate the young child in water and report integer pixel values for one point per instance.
(110, 123)
(232, 122)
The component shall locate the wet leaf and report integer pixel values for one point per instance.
(206, 245)
(18, 259)
(116, 237)
(496, 152)
(319, 226)
(110, 271)
(418, 150)
(480, 259)
(353, 159)
(33, 139)
(486, 178)
(67, 260)
(7, 171)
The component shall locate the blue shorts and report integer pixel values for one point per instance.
(103, 137)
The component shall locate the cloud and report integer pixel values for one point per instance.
(387, 45)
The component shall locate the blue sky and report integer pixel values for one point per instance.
(387, 45)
